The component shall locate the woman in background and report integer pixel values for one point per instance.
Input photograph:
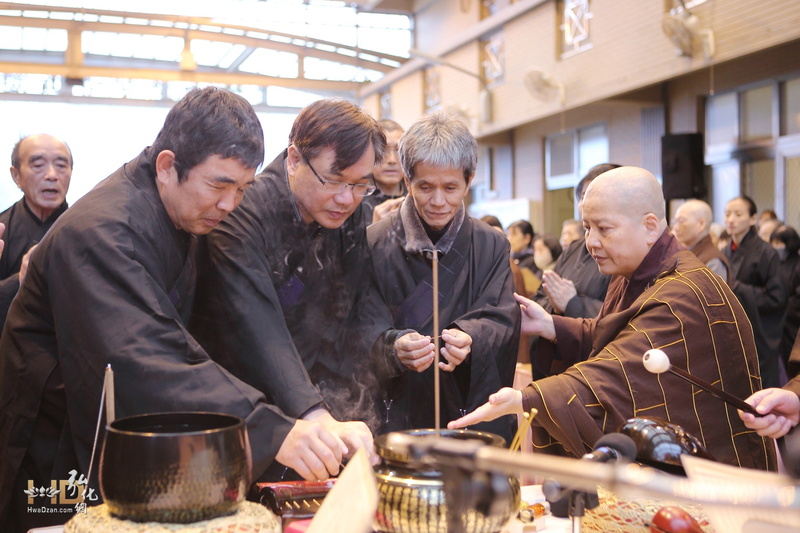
(757, 283)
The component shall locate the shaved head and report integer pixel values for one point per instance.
(697, 208)
(630, 190)
(623, 215)
(692, 222)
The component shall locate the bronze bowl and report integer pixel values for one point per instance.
(412, 498)
(175, 467)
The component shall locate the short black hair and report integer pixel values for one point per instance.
(525, 227)
(552, 244)
(340, 125)
(789, 237)
(590, 176)
(492, 221)
(751, 204)
(206, 122)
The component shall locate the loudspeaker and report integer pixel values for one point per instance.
(682, 166)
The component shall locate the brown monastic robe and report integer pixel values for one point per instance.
(706, 251)
(672, 302)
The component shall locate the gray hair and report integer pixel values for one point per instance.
(442, 141)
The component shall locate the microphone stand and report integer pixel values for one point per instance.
(626, 479)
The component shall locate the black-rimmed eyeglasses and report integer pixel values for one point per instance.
(336, 187)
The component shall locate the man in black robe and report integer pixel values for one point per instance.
(575, 288)
(41, 166)
(390, 186)
(478, 317)
(660, 296)
(290, 263)
(112, 283)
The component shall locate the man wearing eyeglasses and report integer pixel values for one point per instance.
(278, 282)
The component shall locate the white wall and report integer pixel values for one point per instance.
(102, 137)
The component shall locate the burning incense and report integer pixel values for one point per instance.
(436, 399)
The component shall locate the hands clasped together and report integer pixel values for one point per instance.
(559, 290)
(416, 352)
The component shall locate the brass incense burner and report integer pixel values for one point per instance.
(412, 498)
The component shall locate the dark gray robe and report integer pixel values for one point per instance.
(478, 301)
(111, 283)
(276, 297)
(23, 230)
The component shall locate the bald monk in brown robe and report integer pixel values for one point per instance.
(660, 296)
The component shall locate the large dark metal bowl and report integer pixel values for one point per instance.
(175, 467)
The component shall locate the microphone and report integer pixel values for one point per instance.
(608, 448)
(612, 447)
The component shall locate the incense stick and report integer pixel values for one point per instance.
(436, 399)
(106, 400)
(109, 385)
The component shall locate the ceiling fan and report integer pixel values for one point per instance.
(544, 87)
(683, 29)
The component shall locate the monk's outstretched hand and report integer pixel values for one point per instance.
(506, 401)
(535, 320)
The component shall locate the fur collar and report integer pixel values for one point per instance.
(417, 240)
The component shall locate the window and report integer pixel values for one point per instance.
(722, 124)
(575, 27)
(757, 114)
(790, 123)
(493, 59)
(571, 154)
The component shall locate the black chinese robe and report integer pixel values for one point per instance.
(477, 299)
(111, 283)
(756, 281)
(23, 230)
(276, 298)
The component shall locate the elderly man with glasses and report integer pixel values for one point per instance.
(279, 282)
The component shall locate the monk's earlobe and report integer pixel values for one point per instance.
(652, 225)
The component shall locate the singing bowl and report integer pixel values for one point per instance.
(175, 467)
(412, 498)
